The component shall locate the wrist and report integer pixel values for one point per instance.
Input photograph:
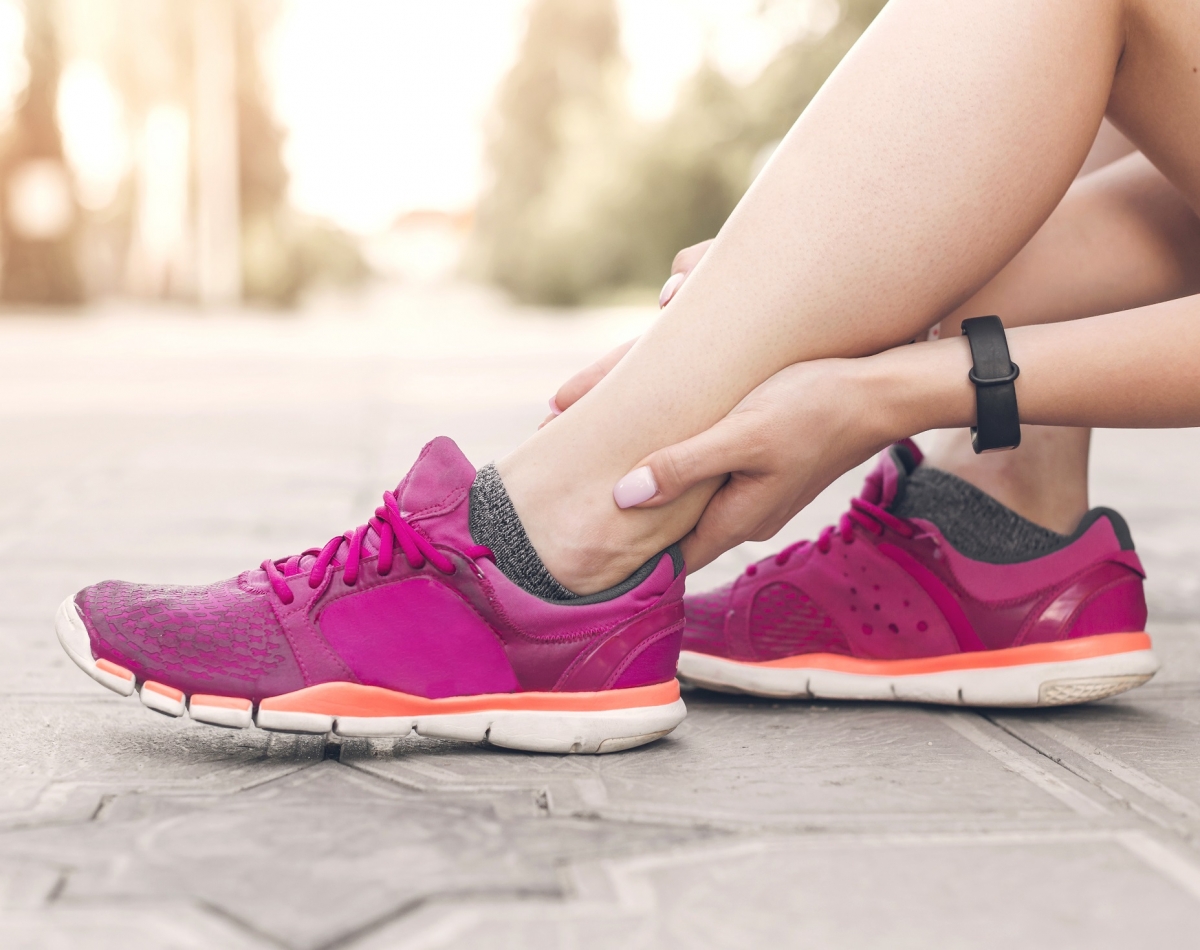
(916, 387)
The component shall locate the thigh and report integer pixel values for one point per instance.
(1123, 237)
(1155, 97)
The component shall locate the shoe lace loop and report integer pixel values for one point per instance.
(864, 514)
(391, 528)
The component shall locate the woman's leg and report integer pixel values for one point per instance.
(1122, 238)
(901, 190)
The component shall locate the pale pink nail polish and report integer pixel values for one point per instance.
(636, 487)
(554, 407)
(669, 289)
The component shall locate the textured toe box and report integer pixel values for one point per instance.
(220, 638)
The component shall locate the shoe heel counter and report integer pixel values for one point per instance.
(1117, 607)
(1108, 598)
(642, 653)
(655, 662)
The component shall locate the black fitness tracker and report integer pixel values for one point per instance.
(997, 424)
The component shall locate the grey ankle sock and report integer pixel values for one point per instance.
(494, 522)
(973, 521)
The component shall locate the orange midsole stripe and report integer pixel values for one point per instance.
(169, 691)
(221, 702)
(351, 699)
(1084, 648)
(110, 667)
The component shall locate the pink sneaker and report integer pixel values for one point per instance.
(882, 607)
(403, 623)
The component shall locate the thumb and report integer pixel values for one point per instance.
(663, 476)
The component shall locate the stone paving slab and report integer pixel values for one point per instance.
(171, 447)
(738, 763)
(861, 891)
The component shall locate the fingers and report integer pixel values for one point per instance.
(686, 260)
(684, 263)
(582, 382)
(729, 446)
(743, 509)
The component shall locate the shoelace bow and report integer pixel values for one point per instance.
(865, 514)
(391, 527)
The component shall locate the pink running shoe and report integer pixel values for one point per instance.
(882, 607)
(403, 623)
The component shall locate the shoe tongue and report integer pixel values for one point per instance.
(885, 485)
(437, 481)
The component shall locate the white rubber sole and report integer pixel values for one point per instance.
(1076, 671)
(612, 726)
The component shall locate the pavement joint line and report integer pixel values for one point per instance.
(1116, 794)
(633, 891)
(1134, 777)
(1181, 832)
(245, 927)
(551, 792)
(1167, 861)
(449, 897)
(1174, 828)
(56, 795)
(375, 783)
(969, 726)
(625, 885)
(374, 771)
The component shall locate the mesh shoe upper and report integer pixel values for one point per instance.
(224, 635)
(786, 621)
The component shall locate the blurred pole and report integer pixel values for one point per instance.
(218, 217)
(39, 219)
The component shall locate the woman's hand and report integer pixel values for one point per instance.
(579, 384)
(778, 449)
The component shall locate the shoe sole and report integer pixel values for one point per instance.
(1039, 674)
(607, 721)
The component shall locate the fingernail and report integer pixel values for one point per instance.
(554, 405)
(636, 487)
(669, 289)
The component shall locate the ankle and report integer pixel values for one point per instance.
(1044, 481)
(1059, 510)
(587, 568)
(585, 542)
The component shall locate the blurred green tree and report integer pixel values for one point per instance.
(584, 200)
(564, 86)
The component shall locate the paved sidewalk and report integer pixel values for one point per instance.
(178, 447)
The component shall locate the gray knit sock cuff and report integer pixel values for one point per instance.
(494, 522)
(973, 521)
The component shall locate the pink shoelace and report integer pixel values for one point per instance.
(391, 528)
(862, 513)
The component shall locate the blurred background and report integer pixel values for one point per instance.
(249, 151)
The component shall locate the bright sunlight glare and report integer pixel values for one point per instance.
(385, 100)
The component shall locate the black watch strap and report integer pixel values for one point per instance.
(997, 424)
